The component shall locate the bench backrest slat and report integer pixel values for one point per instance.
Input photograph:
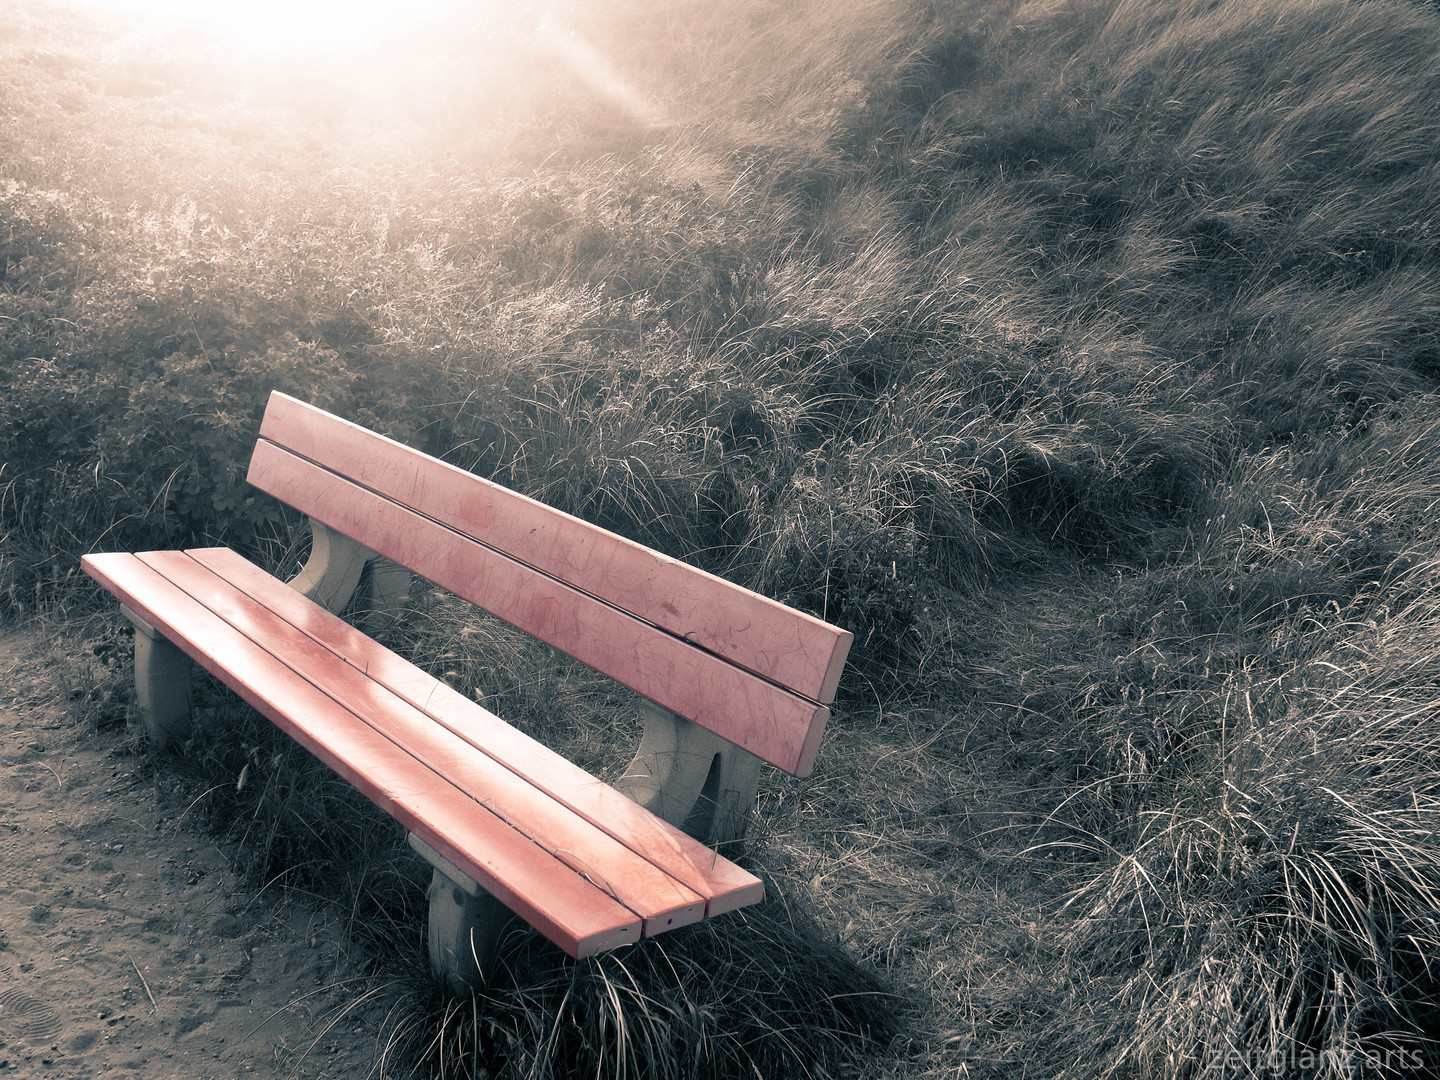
(752, 712)
(785, 646)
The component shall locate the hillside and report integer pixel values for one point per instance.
(1080, 357)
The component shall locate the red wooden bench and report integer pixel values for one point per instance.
(729, 678)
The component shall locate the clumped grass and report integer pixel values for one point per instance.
(1283, 908)
(1253, 884)
(1079, 357)
(768, 996)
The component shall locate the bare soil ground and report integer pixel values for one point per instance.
(128, 947)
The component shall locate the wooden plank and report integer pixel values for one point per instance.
(661, 901)
(724, 885)
(789, 647)
(769, 721)
(571, 912)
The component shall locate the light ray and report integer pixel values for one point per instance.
(597, 72)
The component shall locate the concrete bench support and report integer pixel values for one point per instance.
(340, 570)
(692, 778)
(162, 684)
(466, 924)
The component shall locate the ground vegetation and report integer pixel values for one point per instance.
(1080, 357)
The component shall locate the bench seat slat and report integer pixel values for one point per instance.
(769, 721)
(724, 885)
(661, 901)
(572, 913)
(786, 646)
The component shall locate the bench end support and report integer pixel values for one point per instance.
(338, 568)
(331, 574)
(465, 927)
(162, 684)
(692, 777)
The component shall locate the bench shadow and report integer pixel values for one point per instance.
(758, 992)
(762, 991)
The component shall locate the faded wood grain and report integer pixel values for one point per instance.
(779, 643)
(626, 875)
(769, 721)
(575, 915)
(724, 885)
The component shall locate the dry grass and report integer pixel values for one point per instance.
(1079, 357)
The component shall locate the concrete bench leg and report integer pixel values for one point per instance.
(466, 924)
(332, 572)
(162, 684)
(692, 778)
(340, 570)
(385, 589)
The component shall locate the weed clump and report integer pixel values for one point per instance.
(765, 993)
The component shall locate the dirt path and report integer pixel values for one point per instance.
(127, 946)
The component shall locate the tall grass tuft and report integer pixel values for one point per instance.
(768, 995)
(1254, 885)
(1280, 910)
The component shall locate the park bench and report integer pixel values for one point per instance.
(727, 678)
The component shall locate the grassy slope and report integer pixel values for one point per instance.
(1080, 357)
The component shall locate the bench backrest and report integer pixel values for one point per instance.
(752, 670)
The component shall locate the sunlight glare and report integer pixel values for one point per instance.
(290, 29)
(592, 67)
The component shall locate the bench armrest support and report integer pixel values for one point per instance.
(331, 574)
(337, 570)
(692, 777)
